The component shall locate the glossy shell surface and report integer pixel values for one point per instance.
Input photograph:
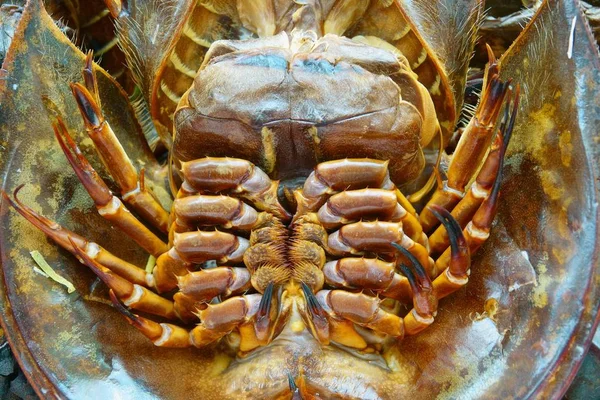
(519, 329)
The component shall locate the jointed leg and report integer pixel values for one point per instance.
(471, 148)
(353, 205)
(482, 187)
(64, 238)
(133, 295)
(232, 176)
(454, 271)
(109, 206)
(376, 237)
(192, 248)
(257, 317)
(133, 190)
(335, 176)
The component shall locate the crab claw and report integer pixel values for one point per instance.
(53, 230)
(460, 261)
(267, 314)
(317, 319)
(424, 297)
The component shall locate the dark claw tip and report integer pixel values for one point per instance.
(292, 383)
(452, 226)
(121, 308)
(89, 59)
(87, 105)
(418, 267)
(408, 274)
(407, 254)
(265, 301)
(313, 304)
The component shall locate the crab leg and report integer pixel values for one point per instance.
(89, 77)
(64, 237)
(353, 205)
(200, 287)
(478, 230)
(376, 237)
(220, 319)
(109, 206)
(207, 284)
(224, 211)
(468, 205)
(471, 148)
(425, 300)
(362, 310)
(164, 335)
(346, 176)
(216, 321)
(195, 248)
(215, 175)
(456, 274)
(133, 295)
(335, 176)
(266, 321)
(324, 326)
(325, 310)
(480, 190)
(133, 190)
(368, 274)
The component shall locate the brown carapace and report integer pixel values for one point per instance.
(289, 149)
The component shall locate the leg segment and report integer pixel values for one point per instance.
(198, 288)
(64, 238)
(133, 190)
(109, 206)
(329, 312)
(254, 315)
(228, 212)
(368, 274)
(194, 248)
(361, 310)
(335, 176)
(425, 300)
(134, 296)
(477, 231)
(324, 327)
(376, 237)
(456, 274)
(353, 205)
(471, 148)
(163, 335)
(466, 208)
(235, 176)
(481, 188)
(206, 284)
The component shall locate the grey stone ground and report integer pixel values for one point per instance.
(13, 384)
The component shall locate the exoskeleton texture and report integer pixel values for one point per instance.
(311, 210)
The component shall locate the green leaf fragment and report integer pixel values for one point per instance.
(49, 272)
(150, 264)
